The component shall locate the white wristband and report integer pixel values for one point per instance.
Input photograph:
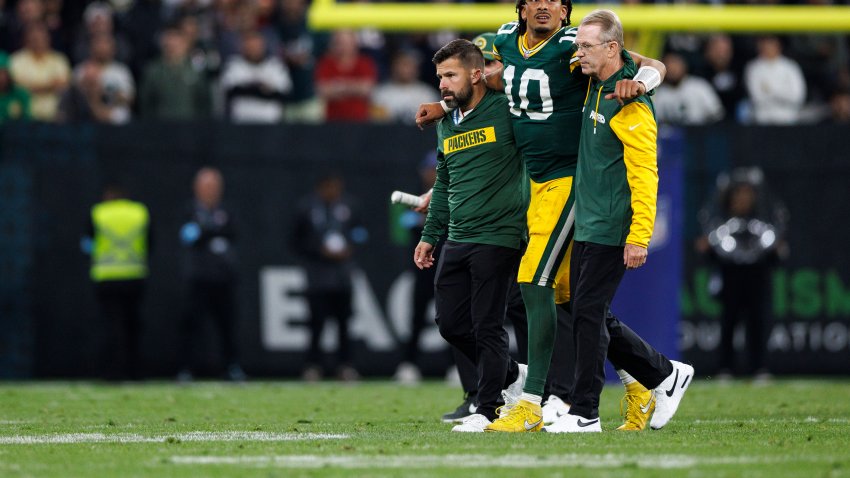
(446, 108)
(649, 76)
(411, 200)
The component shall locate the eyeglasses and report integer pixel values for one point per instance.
(589, 46)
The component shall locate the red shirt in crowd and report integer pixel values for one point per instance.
(350, 107)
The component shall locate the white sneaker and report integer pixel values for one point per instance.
(472, 424)
(407, 374)
(669, 394)
(574, 424)
(554, 409)
(514, 391)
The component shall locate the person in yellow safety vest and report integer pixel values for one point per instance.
(119, 242)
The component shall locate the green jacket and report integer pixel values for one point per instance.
(14, 105)
(174, 92)
(480, 194)
(617, 178)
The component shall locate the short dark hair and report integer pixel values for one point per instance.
(114, 190)
(470, 56)
(523, 25)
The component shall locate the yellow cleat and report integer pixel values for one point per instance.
(636, 407)
(522, 417)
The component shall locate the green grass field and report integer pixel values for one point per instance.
(288, 429)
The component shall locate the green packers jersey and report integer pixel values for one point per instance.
(545, 90)
(480, 195)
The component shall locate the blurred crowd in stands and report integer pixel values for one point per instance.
(256, 61)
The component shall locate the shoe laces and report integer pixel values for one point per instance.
(517, 414)
(504, 410)
(630, 409)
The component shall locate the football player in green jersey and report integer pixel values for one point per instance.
(545, 90)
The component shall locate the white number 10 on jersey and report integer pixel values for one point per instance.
(529, 75)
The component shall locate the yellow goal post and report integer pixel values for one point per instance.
(651, 21)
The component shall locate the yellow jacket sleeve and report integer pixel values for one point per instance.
(635, 126)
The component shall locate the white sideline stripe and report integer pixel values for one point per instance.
(480, 461)
(724, 421)
(187, 437)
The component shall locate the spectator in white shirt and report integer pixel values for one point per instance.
(775, 85)
(117, 91)
(684, 99)
(399, 98)
(255, 83)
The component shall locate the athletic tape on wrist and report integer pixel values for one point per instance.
(649, 76)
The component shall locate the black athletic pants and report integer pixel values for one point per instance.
(561, 376)
(423, 293)
(119, 303)
(744, 297)
(516, 314)
(324, 304)
(213, 299)
(471, 291)
(562, 369)
(596, 271)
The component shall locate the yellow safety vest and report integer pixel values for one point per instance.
(120, 248)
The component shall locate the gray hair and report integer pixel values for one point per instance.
(609, 23)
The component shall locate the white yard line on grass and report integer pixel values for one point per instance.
(187, 437)
(727, 421)
(412, 462)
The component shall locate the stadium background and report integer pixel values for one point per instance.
(50, 174)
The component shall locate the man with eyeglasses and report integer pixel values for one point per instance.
(545, 90)
(616, 187)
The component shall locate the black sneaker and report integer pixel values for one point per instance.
(185, 376)
(236, 374)
(463, 410)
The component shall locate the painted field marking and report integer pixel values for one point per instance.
(480, 461)
(183, 437)
(799, 421)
